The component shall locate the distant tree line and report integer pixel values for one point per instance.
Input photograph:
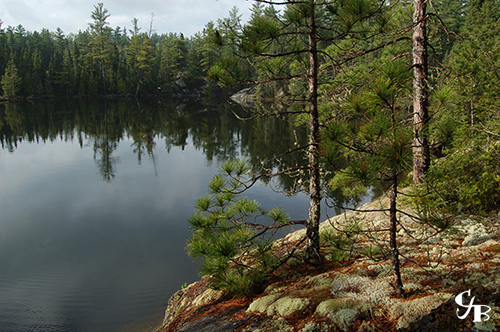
(102, 60)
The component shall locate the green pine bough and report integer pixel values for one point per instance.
(233, 235)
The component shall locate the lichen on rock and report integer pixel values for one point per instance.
(406, 312)
(345, 318)
(262, 303)
(357, 295)
(207, 296)
(287, 305)
(330, 307)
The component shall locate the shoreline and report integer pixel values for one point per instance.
(356, 293)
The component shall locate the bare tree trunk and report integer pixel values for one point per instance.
(398, 283)
(421, 155)
(312, 252)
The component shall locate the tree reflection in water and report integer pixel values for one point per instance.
(212, 129)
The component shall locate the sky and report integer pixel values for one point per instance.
(181, 16)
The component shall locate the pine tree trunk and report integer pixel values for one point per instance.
(398, 283)
(312, 252)
(421, 155)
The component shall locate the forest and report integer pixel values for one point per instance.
(391, 93)
(100, 60)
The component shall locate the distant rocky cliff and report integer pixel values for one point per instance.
(355, 293)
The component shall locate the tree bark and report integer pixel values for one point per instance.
(421, 154)
(312, 251)
(398, 283)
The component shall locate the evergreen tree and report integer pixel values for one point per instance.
(371, 130)
(202, 54)
(3, 47)
(37, 74)
(421, 152)
(475, 61)
(10, 80)
(139, 56)
(288, 49)
(173, 56)
(445, 31)
(230, 234)
(100, 42)
(66, 76)
(466, 178)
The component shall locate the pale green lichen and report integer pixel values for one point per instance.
(345, 318)
(206, 297)
(262, 303)
(287, 306)
(406, 312)
(274, 289)
(363, 289)
(326, 307)
(320, 282)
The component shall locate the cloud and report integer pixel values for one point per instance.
(186, 16)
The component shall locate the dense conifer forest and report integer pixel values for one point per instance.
(100, 60)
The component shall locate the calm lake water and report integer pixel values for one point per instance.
(94, 198)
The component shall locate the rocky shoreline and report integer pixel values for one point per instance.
(354, 293)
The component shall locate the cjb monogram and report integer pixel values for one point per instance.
(480, 310)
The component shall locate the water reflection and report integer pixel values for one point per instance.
(214, 131)
(94, 199)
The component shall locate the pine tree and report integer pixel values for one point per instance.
(371, 130)
(421, 152)
(291, 48)
(100, 42)
(232, 235)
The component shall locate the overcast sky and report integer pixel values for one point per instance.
(186, 16)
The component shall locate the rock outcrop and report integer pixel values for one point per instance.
(354, 293)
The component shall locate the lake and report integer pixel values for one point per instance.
(94, 198)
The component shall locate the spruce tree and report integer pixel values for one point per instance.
(10, 80)
(173, 56)
(139, 57)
